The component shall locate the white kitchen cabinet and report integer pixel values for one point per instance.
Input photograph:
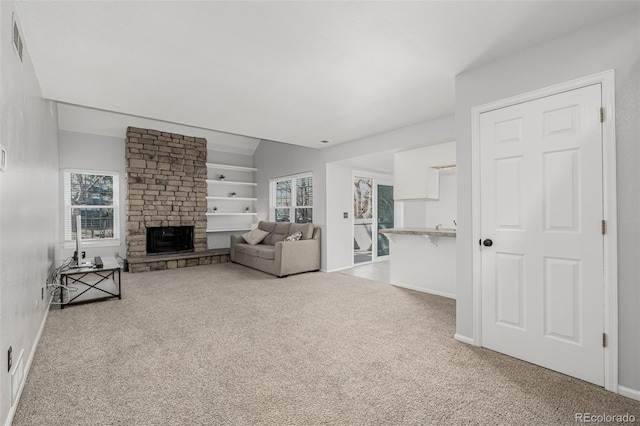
(416, 172)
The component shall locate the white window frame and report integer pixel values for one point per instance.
(66, 214)
(293, 206)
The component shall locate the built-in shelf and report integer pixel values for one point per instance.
(231, 214)
(228, 167)
(240, 181)
(228, 182)
(228, 230)
(232, 198)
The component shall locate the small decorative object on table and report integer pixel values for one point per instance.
(222, 177)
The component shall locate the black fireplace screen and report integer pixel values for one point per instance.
(169, 239)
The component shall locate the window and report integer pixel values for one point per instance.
(363, 198)
(292, 198)
(95, 195)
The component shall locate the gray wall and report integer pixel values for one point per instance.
(219, 157)
(614, 44)
(29, 208)
(273, 159)
(93, 152)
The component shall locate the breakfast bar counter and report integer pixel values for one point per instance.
(423, 259)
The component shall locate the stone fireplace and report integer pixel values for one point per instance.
(166, 188)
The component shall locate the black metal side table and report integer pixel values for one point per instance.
(91, 284)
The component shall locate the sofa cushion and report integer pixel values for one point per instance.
(279, 233)
(247, 249)
(274, 238)
(266, 252)
(267, 226)
(255, 236)
(305, 228)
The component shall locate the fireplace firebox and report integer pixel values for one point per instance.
(169, 239)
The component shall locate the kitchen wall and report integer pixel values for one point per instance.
(613, 44)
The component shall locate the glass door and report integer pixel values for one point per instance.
(385, 217)
(362, 219)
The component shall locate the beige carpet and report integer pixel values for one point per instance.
(222, 344)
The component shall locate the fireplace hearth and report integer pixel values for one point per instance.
(169, 239)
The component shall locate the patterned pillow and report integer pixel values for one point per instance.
(294, 237)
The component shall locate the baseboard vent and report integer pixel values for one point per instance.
(18, 46)
(17, 375)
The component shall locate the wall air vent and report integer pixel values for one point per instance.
(17, 38)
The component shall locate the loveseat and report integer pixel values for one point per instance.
(273, 254)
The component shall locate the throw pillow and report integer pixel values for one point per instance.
(305, 228)
(294, 237)
(255, 236)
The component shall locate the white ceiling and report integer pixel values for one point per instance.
(294, 72)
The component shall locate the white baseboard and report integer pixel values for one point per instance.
(437, 293)
(336, 269)
(464, 339)
(629, 393)
(14, 407)
(383, 259)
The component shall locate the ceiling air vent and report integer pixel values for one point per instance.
(17, 39)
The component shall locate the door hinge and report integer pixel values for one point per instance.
(604, 340)
(601, 114)
(603, 227)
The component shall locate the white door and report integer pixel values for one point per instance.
(541, 207)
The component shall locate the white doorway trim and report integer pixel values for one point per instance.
(377, 179)
(606, 79)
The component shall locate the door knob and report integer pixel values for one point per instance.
(487, 243)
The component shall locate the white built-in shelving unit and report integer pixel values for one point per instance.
(230, 197)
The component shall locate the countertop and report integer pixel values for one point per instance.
(442, 232)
